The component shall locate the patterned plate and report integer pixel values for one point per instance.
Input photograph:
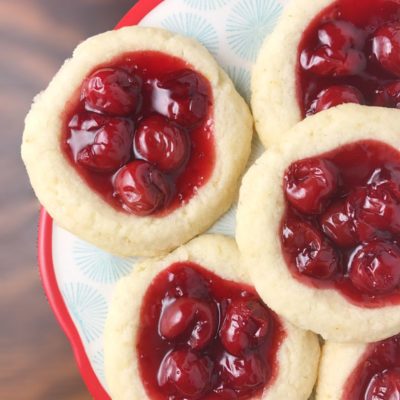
(79, 278)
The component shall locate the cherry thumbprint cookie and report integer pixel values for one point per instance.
(360, 371)
(138, 143)
(333, 52)
(190, 326)
(321, 216)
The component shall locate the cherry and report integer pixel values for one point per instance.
(182, 97)
(87, 122)
(386, 47)
(161, 143)
(100, 143)
(387, 178)
(338, 225)
(245, 326)
(374, 208)
(340, 35)
(309, 183)
(388, 96)
(83, 128)
(311, 253)
(327, 62)
(187, 282)
(194, 319)
(339, 51)
(243, 374)
(142, 188)
(374, 267)
(334, 96)
(186, 374)
(112, 91)
(384, 385)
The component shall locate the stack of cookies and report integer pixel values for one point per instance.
(139, 145)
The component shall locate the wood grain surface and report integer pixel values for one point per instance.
(36, 361)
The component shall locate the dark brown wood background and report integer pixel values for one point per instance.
(36, 361)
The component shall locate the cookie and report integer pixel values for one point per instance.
(322, 54)
(359, 371)
(138, 143)
(317, 224)
(190, 325)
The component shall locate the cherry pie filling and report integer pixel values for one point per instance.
(203, 337)
(341, 225)
(350, 53)
(377, 375)
(140, 132)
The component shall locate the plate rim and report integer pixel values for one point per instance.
(45, 256)
(59, 308)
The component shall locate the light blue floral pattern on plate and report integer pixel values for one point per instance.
(241, 78)
(98, 265)
(249, 23)
(98, 364)
(88, 307)
(195, 26)
(205, 5)
(226, 224)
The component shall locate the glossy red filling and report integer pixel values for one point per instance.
(377, 375)
(350, 53)
(140, 132)
(341, 226)
(203, 337)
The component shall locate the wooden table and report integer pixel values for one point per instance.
(36, 361)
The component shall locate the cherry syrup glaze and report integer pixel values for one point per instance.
(203, 337)
(352, 50)
(341, 226)
(377, 375)
(140, 132)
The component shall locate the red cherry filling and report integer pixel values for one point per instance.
(350, 53)
(223, 394)
(338, 225)
(183, 97)
(112, 91)
(386, 47)
(340, 35)
(334, 96)
(242, 374)
(377, 374)
(310, 251)
(384, 385)
(309, 183)
(190, 322)
(375, 267)
(374, 208)
(342, 230)
(142, 187)
(388, 96)
(185, 374)
(188, 314)
(245, 326)
(144, 106)
(101, 144)
(337, 52)
(188, 282)
(161, 143)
